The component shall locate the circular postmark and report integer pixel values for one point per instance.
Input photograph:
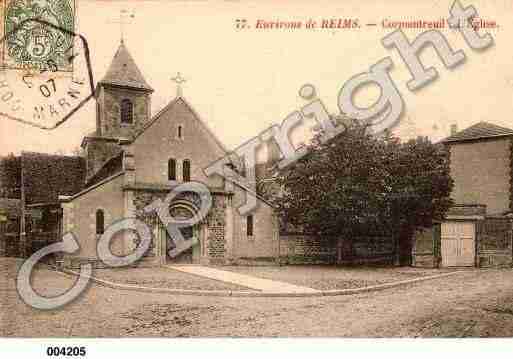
(31, 44)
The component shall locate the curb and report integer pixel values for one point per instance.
(255, 294)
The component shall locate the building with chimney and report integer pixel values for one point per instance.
(478, 229)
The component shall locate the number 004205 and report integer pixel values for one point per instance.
(66, 351)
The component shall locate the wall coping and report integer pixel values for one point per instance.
(160, 187)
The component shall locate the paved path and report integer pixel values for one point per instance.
(265, 285)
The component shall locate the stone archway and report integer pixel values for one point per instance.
(183, 210)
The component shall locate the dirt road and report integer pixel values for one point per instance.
(473, 304)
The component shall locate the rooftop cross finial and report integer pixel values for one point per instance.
(124, 18)
(179, 80)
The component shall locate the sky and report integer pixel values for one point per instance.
(240, 81)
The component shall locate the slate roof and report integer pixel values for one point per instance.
(45, 176)
(124, 72)
(480, 130)
(110, 168)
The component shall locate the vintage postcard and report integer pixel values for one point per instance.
(292, 169)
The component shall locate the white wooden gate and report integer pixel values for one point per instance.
(458, 244)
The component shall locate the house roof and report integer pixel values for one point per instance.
(480, 130)
(10, 177)
(10, 207)
(262, 171)
(124, 72)
(45, 176)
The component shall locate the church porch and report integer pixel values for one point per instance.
(205, 242)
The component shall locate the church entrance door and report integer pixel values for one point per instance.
(191, 254)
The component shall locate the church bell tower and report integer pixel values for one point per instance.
(123, 98)
(123, 107)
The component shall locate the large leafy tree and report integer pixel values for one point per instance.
(359, 183)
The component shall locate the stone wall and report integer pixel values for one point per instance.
(10, 213)
(494, 245)
(375, 249)
(310, 249)
(214, 242)
(142, 199)
(307, 249)
(216, 237)
(10, 239)
(109, 111)
(481, 173)
(262, 246)
(426, 247)
(79, 217)
(160, 142)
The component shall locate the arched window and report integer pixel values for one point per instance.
(180, 132)
(186, 170)
(171, 169)
(127, 111)
(249, 226)
(100, 222)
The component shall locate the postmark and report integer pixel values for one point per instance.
(32, 44)
(45, 93)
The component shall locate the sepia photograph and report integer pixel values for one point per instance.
(284, 170)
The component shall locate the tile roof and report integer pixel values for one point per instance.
(124, 72)
(10, 207)
(480, 130)
(45, 176)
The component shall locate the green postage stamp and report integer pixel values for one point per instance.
(42, 44)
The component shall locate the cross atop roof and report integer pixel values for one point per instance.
(124, 19)
(179, 80)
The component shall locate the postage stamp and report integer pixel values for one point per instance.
(31, 44)
(46, 79)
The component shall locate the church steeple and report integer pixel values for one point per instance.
(124, 72)
(123, 97)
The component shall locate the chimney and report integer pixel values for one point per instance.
(454, 129)
(273, 152)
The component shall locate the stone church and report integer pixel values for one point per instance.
(132, 159)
